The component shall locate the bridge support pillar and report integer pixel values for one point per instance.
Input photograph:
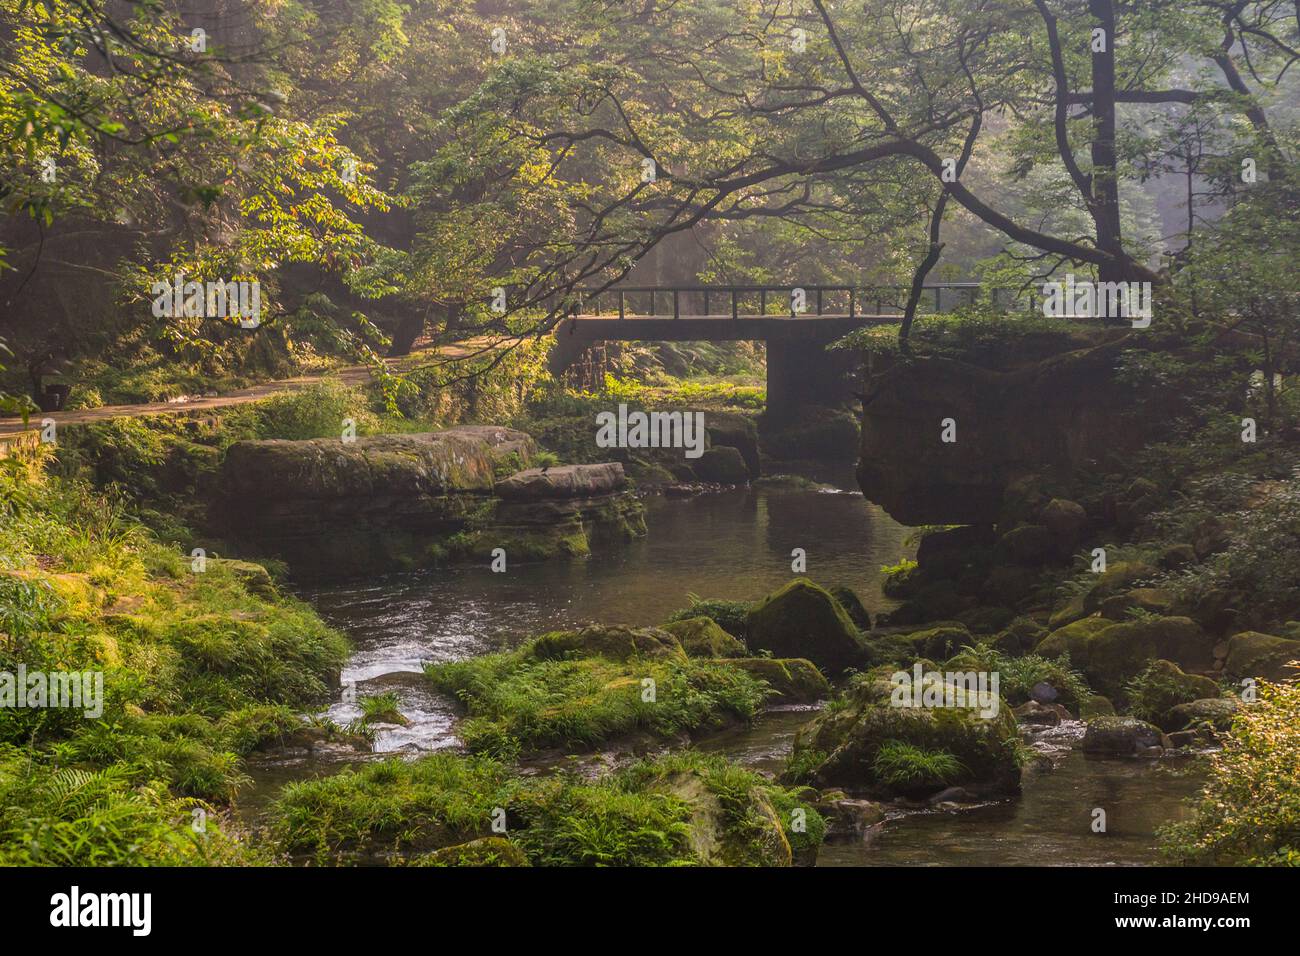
(802, 371)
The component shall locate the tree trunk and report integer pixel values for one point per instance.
(1105, 183)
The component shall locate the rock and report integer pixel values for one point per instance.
(1183, 738)
(1122, 736)
(253, 576)
(839, 747)
(1165, 686)
(986, 620)
(1029, 544)
(940, 643)
(1109, 654)
(1095, 705)
(723, 465)
(944, 554)
(563, 481)
(732, 430)
(1008, 586)
(1150, 600)
(701, 637)
(618, 642)
(1217, 609)
(1120, 576)
(1072, 611)
(1021, 636)
(333, 509)
(1141, 488)
(1051, 403)
(1216, 712)
(1177, 556)
(1064, 519)
(802, 620)
(714, 839)
(1033, 712)
(852, 605)
(953, 795)
(1044, 693)
(793, 680)
(486, 851)
(853, 817)
(1210, 536)
(1253, 654)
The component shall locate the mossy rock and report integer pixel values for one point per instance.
(1094, 705)
(486, 851)
(1070, 612)
(1118, 607)
(713, 837)
(616, 642)
(1122, 736)
(839, 747)
(1253, 654)
(902, 582)
(1019, 637)
(987, 620)
(940, 643)
(723, 464)
(1109, 654)
(801, 619)
(701, 637)
(1164, 685)
(1215, 712)
(793, 679)
(253, 576)
(852, 604)
(1120, 576)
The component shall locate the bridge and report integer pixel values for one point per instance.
(796, 323)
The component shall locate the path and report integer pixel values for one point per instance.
(350, 375)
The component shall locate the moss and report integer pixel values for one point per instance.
(681, 809)
(1161, 687)
(1109, 654)
(801, 619)
(852, 733)
(485, 851)
(1252, 654)
(547, 695)
(791, 680)
(701, 637)
(728, 615)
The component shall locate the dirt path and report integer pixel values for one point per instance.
(350, 375)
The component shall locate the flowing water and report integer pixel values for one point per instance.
(735, 545)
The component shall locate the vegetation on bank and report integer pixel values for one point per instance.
(683, 809)
(201, 664)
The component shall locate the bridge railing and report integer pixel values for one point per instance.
(816, 299)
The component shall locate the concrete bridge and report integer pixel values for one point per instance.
(795, 322)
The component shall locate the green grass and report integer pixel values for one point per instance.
(197, 672)
(518, 702)
(903, 765)
(728, 615)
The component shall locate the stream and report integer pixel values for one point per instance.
(733, 545)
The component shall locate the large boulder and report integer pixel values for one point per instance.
(1119, 577)
(1252, 654)
(701, 637)
(563, 481)
(1046, 403)
(332, 508)
(839, 748)
(802, 620)
(1110, 653)
(1164, 686)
